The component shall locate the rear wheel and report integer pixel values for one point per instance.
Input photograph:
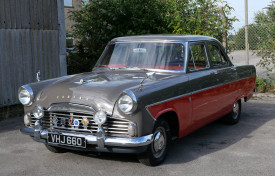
(234, 116)
(157, 150)
(55, 149)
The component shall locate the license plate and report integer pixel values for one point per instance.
(67, 140)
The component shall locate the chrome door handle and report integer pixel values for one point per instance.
(234, 68)
(214, 72)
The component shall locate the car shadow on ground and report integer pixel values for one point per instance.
(211, 138)
(109, 156)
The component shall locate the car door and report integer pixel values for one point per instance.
(202, 80)
(225, 74)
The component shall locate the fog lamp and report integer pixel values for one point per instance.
(100, 117)
(38, 112)
(27, 119)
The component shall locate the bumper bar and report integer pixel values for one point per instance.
(39, 134)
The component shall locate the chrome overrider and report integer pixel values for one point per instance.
(41, 135)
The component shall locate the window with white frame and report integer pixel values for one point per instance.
(68, 3)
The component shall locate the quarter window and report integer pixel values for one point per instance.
(216, 56)
(197, 57)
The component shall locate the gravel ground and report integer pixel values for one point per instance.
(216, 149)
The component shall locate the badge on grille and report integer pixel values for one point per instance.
(63, 121)
(55, 120)
(85, 122)
(71, 121)
(76, 123)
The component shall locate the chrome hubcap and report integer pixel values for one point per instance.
(236, 110)
(159, 142)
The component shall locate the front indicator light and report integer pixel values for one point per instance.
(38, 112)
(132, 129)
(27, 119)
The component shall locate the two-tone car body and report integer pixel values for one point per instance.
(142, 91)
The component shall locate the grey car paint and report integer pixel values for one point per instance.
(102, 87)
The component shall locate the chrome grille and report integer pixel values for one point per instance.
(112, 127)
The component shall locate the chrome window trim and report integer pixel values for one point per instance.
(223, 54)
(159, 41)
(146, 41)
(206, 56)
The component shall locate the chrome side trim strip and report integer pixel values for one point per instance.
(163, 101)
(191, 93)
(218, 85)
(146, 107)
(169, 99)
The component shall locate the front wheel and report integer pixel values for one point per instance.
(234, 116)
(157, 150)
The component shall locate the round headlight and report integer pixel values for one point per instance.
(126, 104)
(100, 117)
(25, 95)
(38, 112)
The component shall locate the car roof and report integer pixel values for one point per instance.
(179, 38)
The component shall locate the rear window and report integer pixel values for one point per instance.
(216, 56)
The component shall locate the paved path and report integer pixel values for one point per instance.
(247, 148)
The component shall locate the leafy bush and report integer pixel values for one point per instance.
(101, 20)
(267, 45)
(263, 84)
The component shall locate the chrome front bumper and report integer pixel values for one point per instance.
(100, 141)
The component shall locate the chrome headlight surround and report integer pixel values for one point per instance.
(25, 95)
(127, 102)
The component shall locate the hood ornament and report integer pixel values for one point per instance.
(38, 76)
(149, 75)
(81, 81)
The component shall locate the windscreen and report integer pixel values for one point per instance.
(148, 55)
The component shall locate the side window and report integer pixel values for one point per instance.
(197, 57)
(216, 56)
(68, 3)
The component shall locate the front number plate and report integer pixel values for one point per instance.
(67, 140)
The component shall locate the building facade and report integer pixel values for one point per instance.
(32, 39)
(69, 7)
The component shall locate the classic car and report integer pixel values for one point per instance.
(143, 92)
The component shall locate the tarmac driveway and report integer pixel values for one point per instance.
(247, 148)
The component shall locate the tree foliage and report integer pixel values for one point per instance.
(266, 46)
(255, 35)
(101, 20)
(261, 34)
(201, 17)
